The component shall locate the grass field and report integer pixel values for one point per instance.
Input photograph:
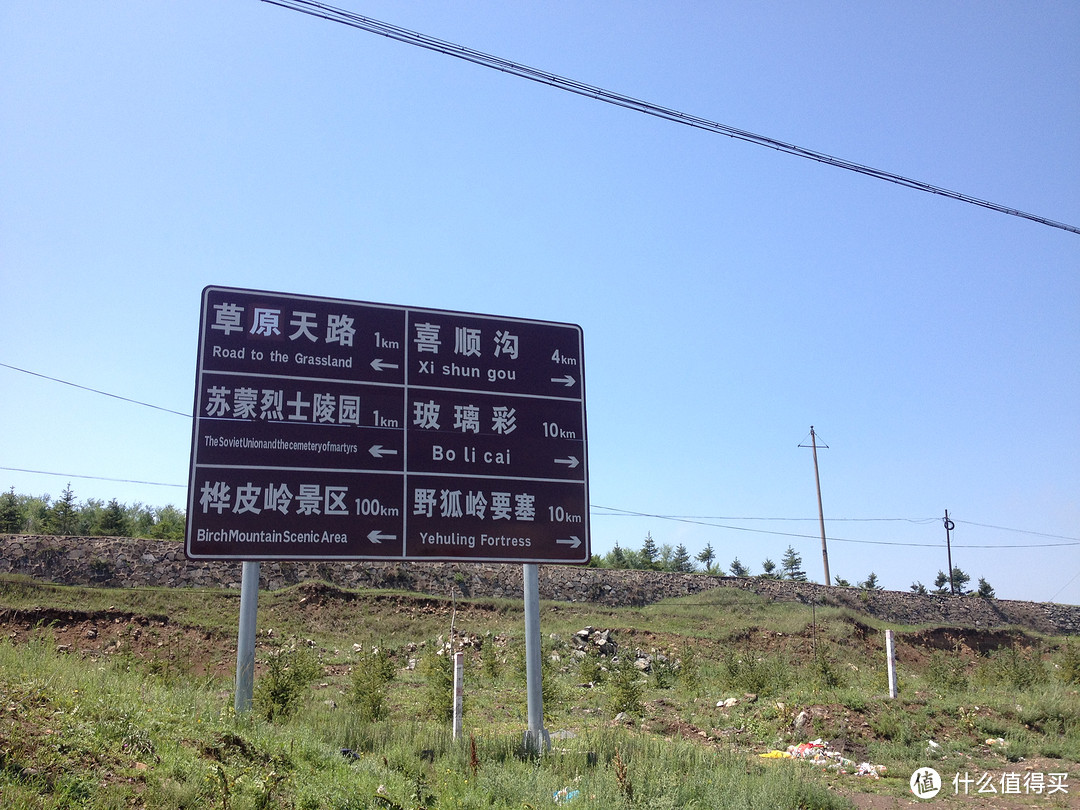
(123, 699)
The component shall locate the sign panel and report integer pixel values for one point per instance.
(333, 429)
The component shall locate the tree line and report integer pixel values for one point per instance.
(66, 516)
(653, 557)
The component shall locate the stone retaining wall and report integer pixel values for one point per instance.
(126, 562)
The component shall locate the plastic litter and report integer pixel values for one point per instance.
(817, 753)
(565, 796)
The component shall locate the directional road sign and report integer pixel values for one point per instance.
(333, 429)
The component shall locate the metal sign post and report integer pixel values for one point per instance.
(245, 643)
(536, 737)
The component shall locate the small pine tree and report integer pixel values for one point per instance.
(871, 583)
(63, 517)
(681, 562)
(438, 672)
(648, 552)
(738, 569)
(625, 687)
(706, 557)
(370, 680)
(959, 581)
(791, 565)
(768, 570)
(840, 582)
(114, 522)
(11, 519)
(919, 588)
(941, 583)
(986, 591)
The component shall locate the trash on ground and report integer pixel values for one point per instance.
(565, 796)
(817, 753)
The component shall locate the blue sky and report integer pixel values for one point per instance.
(730, 295)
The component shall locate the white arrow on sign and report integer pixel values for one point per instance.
(375, 536)
(379, 364)
(573, 541)
(567, 380)
(571, 462)
(379, 451)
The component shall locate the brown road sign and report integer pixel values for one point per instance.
(334, 429)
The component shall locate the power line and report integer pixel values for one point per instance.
(918, 521)
(1007, 529)
(709, 523)
(95, 390)
(394, 32)
(92, 477)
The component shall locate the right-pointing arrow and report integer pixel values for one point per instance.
(567, 380)
(573, 541)
(571, 462)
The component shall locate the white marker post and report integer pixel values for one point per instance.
(890, 652)
(245, 643)
(459, 691)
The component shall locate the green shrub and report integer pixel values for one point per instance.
(370, 679)
(438, 672)
(946, 673)
(689, 669)
(1012, 668)
(745, 671)
(289, 671)
(489, 659)
(1068, 666)
(591, 669)
(625, 687)
(826, 674)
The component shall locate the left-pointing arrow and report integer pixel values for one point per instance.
(379, 364)
(375, 536)
(379, 451)
(573, 541)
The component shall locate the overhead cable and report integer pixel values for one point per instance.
(699, 522)
(394, 32)
(96, 391)
(92, 477)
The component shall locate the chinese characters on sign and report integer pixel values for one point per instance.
(339, 429)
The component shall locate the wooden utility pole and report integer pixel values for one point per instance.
(821, 511)
(949, 526)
